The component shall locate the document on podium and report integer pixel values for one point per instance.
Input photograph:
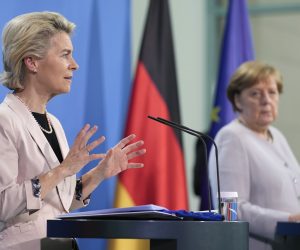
(143, 212)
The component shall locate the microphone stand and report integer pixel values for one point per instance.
(199, 135)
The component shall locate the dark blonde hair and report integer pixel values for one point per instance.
(249, 74)
(28, 35)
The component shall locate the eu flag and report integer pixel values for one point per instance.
(236, 48)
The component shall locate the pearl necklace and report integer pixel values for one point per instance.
(49, 123)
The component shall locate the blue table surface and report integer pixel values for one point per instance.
(288, 228)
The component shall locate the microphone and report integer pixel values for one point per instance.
(199, 135)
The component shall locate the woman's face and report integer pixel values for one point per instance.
(258, 104)
(55, 70)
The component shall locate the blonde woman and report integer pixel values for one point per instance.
(255, 158)
(37, 168)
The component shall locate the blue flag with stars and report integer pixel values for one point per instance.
(236, 48)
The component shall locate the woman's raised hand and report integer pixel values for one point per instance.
(79, 154)
(117, 158)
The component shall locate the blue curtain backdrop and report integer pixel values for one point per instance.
(101, 86)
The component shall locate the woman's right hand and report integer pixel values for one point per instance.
(79, 154)
(294, 217)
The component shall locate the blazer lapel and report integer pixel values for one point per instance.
(33, 128)
(67, 186)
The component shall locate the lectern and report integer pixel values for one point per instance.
(163, 234)
(287, 236)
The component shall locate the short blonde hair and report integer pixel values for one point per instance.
(249, 74)
(28, 35)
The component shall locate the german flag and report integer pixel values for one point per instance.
(162, 181)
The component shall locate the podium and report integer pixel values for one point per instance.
(163, 234)
(287, 236)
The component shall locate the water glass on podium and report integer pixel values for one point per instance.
(229, 203)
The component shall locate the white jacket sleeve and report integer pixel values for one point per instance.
(15, 198)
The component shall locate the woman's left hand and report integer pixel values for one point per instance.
(116, 159)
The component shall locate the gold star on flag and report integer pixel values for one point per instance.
(215, 114)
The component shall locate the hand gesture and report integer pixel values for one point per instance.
(116, 159)
(79, 154)
(294, 218)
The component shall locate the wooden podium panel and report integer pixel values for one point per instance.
(163, 235)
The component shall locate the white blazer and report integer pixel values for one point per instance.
(265, 174)
(24, 154)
